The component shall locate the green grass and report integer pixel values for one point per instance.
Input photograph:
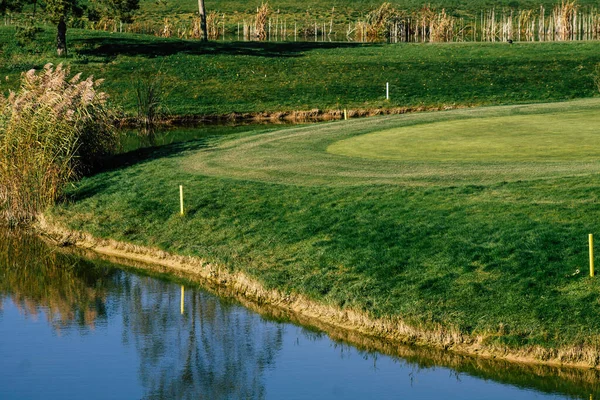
(552, 138)
(488, 247)
(220, 78)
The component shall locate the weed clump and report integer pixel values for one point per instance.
(26, 34)
(262, 14)
(52, 130)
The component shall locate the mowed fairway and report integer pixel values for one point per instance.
(471, 146)
(471, 220)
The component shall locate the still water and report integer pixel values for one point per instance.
(75, 328)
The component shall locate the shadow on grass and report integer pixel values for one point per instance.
(148, 154)
(135, 157)
(136, 46)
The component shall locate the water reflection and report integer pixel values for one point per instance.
(215, 350)
(71, 291)
(129, 327)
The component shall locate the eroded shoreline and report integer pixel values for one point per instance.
(326, 317)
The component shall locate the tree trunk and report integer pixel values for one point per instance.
(61, 38)
(202, 12)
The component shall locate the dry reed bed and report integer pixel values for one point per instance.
(51, 130)
(564, 22)
(582, 355)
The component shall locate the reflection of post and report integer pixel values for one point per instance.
(182, 294)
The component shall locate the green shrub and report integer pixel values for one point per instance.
(26, 34)
(52, 130)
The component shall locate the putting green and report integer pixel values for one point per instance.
(469, 146)
(568, 136)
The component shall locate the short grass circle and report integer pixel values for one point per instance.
(469, 146)
(572, 136)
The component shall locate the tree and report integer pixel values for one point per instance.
(10, 5)
(118, 10)
(58, 11)
(202, 12)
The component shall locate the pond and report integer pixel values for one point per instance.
(74, 327)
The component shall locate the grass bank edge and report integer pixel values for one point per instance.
(76, 220)
(323, 315)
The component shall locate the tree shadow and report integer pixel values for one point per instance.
(124, 160)
(109, 47)
(147, 154)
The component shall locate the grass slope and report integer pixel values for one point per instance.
(221, 78)
(496, 255)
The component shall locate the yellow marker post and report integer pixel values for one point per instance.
(345, 114)
(181, 199)
(591, 255)
(182, 294)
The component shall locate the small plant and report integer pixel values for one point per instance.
(262, 14)
(212, 25)
(52, 130)
(597, 76)
(150, 97)
(26, 34)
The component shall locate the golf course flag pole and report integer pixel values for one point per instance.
(591, 255)
(181, 199)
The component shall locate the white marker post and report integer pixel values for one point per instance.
(387, 90)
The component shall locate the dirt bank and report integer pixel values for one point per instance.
(327, 317)
(315, 115)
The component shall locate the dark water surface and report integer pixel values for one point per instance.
(72, 328)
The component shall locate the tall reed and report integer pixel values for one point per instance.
(150, 98)
(212, 25)
(379, 22)
(262, 14)
(52, 130)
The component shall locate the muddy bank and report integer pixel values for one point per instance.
(351, 325)
(315, 115)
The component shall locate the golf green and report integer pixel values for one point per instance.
(570, 136)
(469, 146)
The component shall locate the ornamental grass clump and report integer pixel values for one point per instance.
(52, 130)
